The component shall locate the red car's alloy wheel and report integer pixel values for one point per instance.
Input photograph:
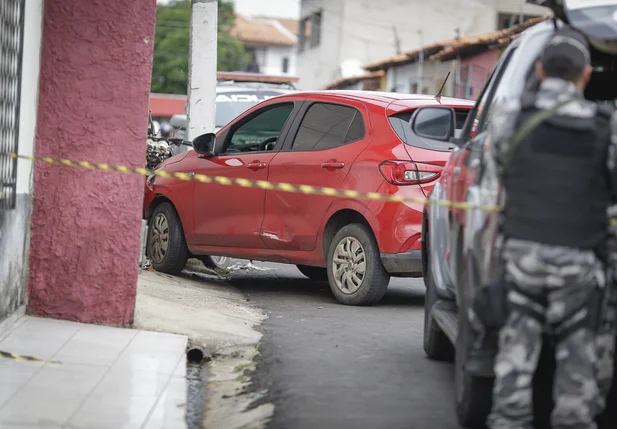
(159, 238)
(349, 265)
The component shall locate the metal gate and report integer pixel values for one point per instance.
(11, 46)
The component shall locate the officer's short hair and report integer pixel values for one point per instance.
(566, 55)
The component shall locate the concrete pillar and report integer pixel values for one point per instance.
(202, 68)
(96, 64)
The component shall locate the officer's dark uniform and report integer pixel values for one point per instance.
(559, 182)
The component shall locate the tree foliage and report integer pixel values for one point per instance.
(171, 45)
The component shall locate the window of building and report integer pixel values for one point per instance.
(285, 67)
(253, 64)
(257, 58)
(302, 37)
(327, 126)
(316, 29)
(11, 23)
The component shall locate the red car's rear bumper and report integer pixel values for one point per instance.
(408, 264)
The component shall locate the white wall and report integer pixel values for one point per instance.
(363, 29)
(320, 65)
(274, 60)
(276, 8)
(33, 22)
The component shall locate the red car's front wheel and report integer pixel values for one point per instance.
(166, 244)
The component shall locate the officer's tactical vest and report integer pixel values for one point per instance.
(557, 181)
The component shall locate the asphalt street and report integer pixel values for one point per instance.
(326, 365)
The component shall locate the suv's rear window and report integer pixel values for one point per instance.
(401, 123)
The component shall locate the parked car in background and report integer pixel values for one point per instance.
(355, 140)
(236, 93)
(461, 247)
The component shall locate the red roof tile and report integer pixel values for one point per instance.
(449, 49)
(497, 38)
(261, 31)
(337, 84)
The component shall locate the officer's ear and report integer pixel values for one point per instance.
(540, 71)
(585, 76)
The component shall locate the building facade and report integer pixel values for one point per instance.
(474, 72)
(346, 34)
(270, 43)
(467, 62)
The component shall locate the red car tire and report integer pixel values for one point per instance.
(166, 247)
(355, 271)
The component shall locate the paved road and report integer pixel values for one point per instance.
(332, 366)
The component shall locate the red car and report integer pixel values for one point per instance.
(356, 140)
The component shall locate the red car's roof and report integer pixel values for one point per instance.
(387, 98)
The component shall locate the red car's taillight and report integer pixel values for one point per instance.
(408, 173)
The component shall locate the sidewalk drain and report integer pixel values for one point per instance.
(195, 356)
(196, 381)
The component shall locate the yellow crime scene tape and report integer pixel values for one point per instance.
(261, 184)
(15, 356)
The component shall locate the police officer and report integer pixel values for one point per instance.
(557, 160)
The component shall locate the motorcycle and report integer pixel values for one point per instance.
(158, 148)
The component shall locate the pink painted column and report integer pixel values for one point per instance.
(96, 63)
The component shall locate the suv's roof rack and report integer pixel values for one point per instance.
(256, 78)
(256, 85)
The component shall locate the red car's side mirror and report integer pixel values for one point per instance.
(205, 144)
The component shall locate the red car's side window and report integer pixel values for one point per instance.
(327, 126)
(263, 128)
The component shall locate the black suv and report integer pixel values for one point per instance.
(460, 246)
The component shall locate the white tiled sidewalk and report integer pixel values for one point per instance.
(107, 378)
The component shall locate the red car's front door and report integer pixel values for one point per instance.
(231, 216)
(329, 138)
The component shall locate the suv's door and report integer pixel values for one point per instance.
(328, 138)
(231, 216)
(477, 225)
(463, 158)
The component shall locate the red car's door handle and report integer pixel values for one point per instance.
(256, 165)
(333, 164)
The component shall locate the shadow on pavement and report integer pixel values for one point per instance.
(282, 281)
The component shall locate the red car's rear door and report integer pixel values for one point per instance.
(326, 139)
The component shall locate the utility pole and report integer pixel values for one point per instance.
(520, 16)
(201, 89)
(397, 49)
(421, 68)
(457, 66)
(397, 41)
